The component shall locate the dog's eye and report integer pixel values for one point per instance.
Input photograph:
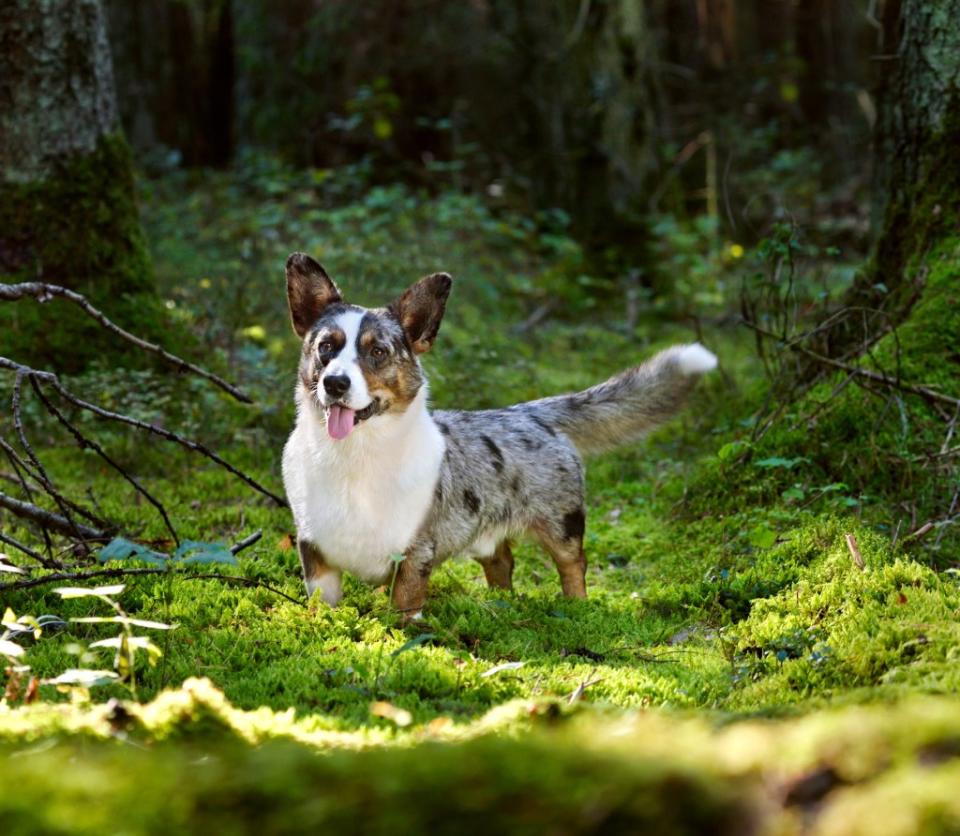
(325, 347)
(378, 352)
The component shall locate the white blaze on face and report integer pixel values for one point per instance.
(345, 363)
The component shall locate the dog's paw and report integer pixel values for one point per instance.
(695, 359)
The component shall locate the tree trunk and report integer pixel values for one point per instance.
(917, 169)
(583, 119)
(68, 214)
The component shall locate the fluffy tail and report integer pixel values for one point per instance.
(629, 404)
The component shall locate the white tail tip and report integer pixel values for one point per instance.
(695, 359)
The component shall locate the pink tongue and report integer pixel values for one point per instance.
(340, 422)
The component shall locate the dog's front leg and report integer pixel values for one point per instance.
(317, 574)
(410, 585)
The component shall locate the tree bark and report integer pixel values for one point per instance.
(68, 214)
(583, 120)
(918, 131)
(917, 165)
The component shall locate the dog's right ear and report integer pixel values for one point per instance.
(309, 291)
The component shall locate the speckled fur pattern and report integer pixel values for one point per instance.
(449, 483)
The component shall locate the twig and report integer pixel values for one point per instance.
(538, 316)
(51, 521)
(42, 477)
(86, 443)
(854, 550)
(246, 542)
(43, 292)
(133, 571)
(19, 463)
(913, 388)
(43, 561)
(949, 518)
(579, 691)
(52, 379)
(896, 536)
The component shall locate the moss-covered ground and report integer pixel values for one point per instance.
(733, 670)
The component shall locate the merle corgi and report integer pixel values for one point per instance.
(372, 472)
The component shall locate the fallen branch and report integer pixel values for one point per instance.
(52, 380)
(42, 292)
(246, 542)
(886, 380)
(82, 577)
(21, 547)
(51, 521)
(87, 444)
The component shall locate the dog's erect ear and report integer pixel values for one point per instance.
(309, 291)
(420, 309)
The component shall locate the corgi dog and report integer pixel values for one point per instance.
(372, 473)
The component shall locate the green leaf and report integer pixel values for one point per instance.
(84, 677)
(197, 552)
(120, 548)
(10, 649)
(136, 642)
(732, 449)
(762, 537)
(505, 666)
(117, 549)
(416, 641)
(779, 461)
(85, 592)
(123, 619)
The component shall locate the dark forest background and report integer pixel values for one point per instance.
(611, 111)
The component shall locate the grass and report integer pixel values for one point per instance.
(721, 586)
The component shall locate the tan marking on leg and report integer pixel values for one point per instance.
(499, 568)
(410, 589)
(318, 575)
(568, 557)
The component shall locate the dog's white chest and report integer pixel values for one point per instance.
(363, 499)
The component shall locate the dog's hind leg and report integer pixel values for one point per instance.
(318, 575)
(499, 567)
(563, 540)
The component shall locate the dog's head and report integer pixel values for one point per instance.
(360, 363)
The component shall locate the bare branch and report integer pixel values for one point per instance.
(886, 380)
(246, 542)
(43, 292)
(51, 521)
(38, 472)
(51, 379)
(86, 443)
(43, 561)
(58, 577)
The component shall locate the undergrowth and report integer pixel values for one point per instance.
(720, 575)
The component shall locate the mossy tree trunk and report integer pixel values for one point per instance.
(68, 212)
(917, 174)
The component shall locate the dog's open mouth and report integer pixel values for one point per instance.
(341, 419)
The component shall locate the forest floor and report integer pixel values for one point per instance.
(734, 667)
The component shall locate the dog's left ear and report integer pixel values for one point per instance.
(420, 309)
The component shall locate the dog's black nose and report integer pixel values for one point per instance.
(336, 385)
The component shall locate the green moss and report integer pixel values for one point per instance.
(79, 228)
(160, 768)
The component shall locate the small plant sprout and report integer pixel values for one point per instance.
(126, 644)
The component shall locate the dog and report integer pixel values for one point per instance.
(384, 488)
